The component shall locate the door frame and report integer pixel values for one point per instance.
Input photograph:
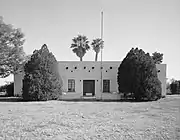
(93, 82)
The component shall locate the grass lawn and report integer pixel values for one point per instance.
(60, 120)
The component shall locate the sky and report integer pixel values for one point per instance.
(152, 25)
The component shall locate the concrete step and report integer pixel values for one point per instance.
(88, 97)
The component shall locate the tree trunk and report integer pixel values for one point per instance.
(96, 57)
(80, 58)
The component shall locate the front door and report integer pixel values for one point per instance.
(88, 87)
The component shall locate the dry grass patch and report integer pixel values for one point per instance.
(60, 120)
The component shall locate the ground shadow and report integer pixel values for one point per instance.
(98, 100)
(19, 99)
(10, 99)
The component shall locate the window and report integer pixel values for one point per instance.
(71, 85)
(106, 85)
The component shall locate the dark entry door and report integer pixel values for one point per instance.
(88, 87)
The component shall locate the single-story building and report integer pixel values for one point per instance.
(84, 78)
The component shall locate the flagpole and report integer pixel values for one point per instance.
(101, 53)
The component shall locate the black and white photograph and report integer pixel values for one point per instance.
(89, 70)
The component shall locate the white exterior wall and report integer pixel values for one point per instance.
(18, 84)
(162, 77)
(81, 74)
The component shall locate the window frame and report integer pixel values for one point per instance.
(71, 85)
(106, 89)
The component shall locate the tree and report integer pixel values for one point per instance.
(8, 88)
(11, 49)
(168, 91)
(157, 57)
(97, 44)
(42, 80)
(175, 87)
(21, 66)
(137, 74)
(80, 46)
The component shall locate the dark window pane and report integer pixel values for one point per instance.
(106, 85)
(71, 85)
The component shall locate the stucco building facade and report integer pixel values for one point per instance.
(82, 79)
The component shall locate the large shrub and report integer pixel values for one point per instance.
(137, 74)
(42, 80)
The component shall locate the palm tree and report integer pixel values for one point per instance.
(80, 45)
(97, 44)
